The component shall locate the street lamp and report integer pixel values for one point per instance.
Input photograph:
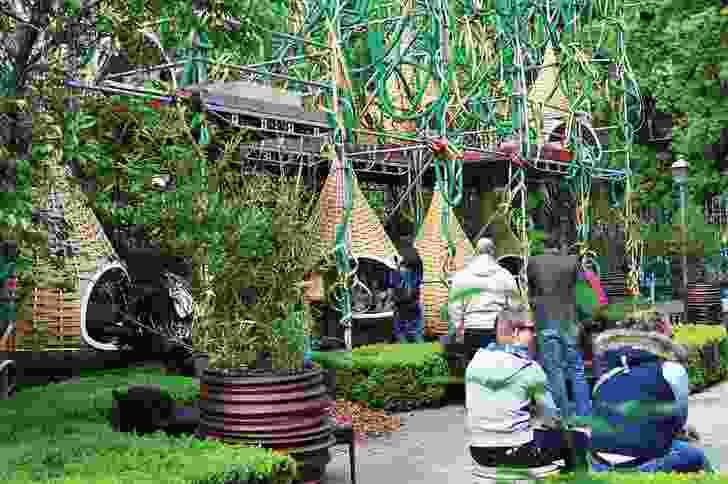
(680, 170)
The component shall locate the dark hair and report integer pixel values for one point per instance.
(515, 312)
(552, 241)
(411, 259)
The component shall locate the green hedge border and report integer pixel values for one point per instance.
(395, 376)
(392, 375)
(60, 434)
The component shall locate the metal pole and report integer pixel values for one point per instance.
(683, 216)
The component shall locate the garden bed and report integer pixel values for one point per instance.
(404, 377)
(61, 433)
(394, 377)
(707, 353)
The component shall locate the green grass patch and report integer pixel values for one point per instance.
(61, 434)
(639, 478)
(386, 374)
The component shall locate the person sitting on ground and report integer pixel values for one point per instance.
(505, 397)
(474, 315)
(639, 363)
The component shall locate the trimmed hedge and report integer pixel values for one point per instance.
(61, 434)
(394, 376)
(407, 376)
(707, 353)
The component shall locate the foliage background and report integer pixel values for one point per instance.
(679, 52)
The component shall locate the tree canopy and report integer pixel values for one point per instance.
(679, 51)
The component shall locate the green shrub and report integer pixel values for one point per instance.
(332, 359)
(61, 434)
(698, 335)
(698, 338)
(384, 373)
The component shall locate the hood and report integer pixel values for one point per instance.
(495, 366)
(484, 266)
(642, 345)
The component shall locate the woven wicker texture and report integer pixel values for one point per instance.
(368, 238)
(541, 90)
(432, 248)
(56, 324)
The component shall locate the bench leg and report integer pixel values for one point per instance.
(4, 386)
(352, 462)
(7, 380)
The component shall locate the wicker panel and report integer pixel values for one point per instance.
(368, 237)
(56, 324)
(539, 93)
(433, 250)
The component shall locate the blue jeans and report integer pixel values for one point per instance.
(681, 457)
(412, 328)
(562, 362)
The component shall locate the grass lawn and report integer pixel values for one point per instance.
(60, 433)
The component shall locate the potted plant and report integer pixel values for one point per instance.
(256, 390)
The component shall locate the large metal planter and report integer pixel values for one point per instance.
(281, 410)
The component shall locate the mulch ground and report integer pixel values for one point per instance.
(367, 422)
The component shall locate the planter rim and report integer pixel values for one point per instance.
(242, 376)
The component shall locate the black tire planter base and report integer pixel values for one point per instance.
(281, 410)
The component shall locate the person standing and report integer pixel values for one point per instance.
(405, 285)
(474, 315)
(552, 281)
(8, 253)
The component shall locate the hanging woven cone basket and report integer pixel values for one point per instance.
(368, 237)
(432, 248)
(556, 105)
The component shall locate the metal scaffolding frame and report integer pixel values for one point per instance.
(296, 141)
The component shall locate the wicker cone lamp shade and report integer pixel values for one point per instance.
(368, 237)
(433, 250)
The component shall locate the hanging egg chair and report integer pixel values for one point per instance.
(372, 250)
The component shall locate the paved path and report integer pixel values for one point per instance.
(430, 449)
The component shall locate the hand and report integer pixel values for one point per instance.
(664, 326)
(688, 434)
(553, 423)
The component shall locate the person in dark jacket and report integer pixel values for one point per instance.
(639, 365)
(552, 280)
(406, 287)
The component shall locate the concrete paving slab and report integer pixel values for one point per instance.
(431, 448)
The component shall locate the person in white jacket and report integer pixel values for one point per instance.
(506, 398)
(474, 315)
